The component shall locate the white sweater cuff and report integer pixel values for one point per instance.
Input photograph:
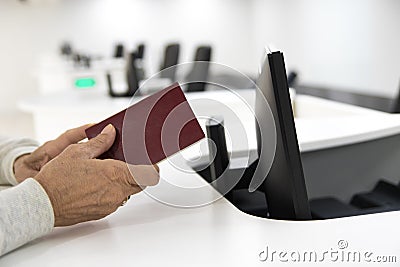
(9, 159)
(26, 213)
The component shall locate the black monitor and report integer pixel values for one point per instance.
(284, 185)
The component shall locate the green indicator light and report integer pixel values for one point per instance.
(85, 83)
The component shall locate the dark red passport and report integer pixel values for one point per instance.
(152, 129)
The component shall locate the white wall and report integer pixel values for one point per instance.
(350, 44)
(339, 43)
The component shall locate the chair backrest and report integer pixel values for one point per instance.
(171, 58)
(132, 74)
(119, 51)
(203, 53)
(140, 51)
(199, 74)
(395, 108)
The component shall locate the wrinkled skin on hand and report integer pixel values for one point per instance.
(29, 165)
(82, 188)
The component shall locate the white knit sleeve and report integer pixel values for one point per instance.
(10, 150)
(26, 213)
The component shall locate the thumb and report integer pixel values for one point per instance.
(99, 144)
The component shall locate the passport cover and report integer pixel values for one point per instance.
(152, 129)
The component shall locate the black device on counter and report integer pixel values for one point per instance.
(218, 152)
(284, 187)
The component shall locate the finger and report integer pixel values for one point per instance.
(72, 136)
(99, 144)
(129, 191)
(142, 175)
(133, 175)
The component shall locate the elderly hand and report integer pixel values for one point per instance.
(82, 188)
(30, 164)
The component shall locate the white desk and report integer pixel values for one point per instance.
(148, 233)
(320, 123)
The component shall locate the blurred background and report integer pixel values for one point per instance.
(350, 46)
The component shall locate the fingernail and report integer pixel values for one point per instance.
(108, 129)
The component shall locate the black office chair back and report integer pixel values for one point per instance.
(199, 74)
(66, 49)
(292, 79)
(203, 53)
(140, 51)
(396, 103)
(119, 51)
(132, 74)
(171, 58)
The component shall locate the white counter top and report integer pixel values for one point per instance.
(148, 233)
(320, 123)
(323, 123)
